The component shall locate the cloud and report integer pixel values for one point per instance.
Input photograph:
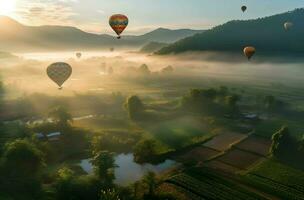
(36, 12)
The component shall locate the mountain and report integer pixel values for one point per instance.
(153, 47)
(163, 35)
(266, 34)
(15, 36)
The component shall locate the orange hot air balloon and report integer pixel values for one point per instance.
(249, 52)
(119, 23)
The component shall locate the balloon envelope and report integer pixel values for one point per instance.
(119, 23)
(244, 8)
(288, 25)
(249, 52)
(78, 55)
(59, 72)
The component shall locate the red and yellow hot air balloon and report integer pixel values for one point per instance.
(249, 52)
(119, 23)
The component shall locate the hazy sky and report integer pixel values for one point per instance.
(144, 15)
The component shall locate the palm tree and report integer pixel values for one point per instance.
(151, 181)
(104, 164)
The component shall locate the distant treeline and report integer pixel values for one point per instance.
(266, 34)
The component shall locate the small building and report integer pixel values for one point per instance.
(53, 136)
(251, 116)
(39, 136)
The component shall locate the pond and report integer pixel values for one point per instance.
(128, 171)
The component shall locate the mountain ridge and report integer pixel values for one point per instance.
(266, 34)
(18, 37)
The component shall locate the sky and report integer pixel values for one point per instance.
(144, 15)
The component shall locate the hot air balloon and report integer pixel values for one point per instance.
(244, 8)
(78, 55)
(288, 25)
(249, 52)
(119, 23)
(59, 72)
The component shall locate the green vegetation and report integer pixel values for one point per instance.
(153, 128)
(226, 37)
(135, 108)
(144, 151)
(152, 47)
(287, 148)
(104, 167)
(278, 179)
(209, 185)
(20, 169)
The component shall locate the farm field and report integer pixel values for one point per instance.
(277, 178)
(220, 166)
(240, 159)
(256, 145)
(179, 192)
(280, 172)
(198, 154)
(209, 185)
(223, 141)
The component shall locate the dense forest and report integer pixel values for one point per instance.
(266, 34)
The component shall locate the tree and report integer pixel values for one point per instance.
(209, 94)
(104, 164)
(63, 183)
(109, 195)
(71, 187)
(151, 182)
(20, 169)
(23, 158)
(135, 107)
(144, 69)
(223, 91)
(110, 70)
(61, 116)
(282, 143)
(301, 145)
(232, 100)
(167, 70)
(269, 102)
(144, 150)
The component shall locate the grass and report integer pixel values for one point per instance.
(179, 132)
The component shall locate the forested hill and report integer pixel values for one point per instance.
(266, 34)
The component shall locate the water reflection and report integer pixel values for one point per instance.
(129, 171)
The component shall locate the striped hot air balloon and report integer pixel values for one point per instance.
(59, 72)
(118, 23)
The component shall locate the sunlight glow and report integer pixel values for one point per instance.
(7, 7)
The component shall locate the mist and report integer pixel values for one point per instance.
(26, 74)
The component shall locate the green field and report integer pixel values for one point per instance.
(209, 185)
(278, 179)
